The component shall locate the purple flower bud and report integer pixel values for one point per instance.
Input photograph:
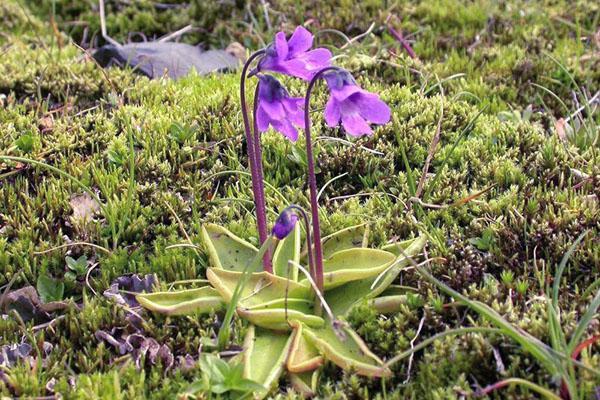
(292, 57)
(354, 106)
(285, 223)
(277, 109)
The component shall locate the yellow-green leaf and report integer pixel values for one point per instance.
(260, 288)
(342, 299)
(348, 238)
(388, 304)
(303, 356)
(305, 383)
(354, 264)
(264, 356)
(226, 250)
(346, 349)
(397, 248)
(191, 301)
(287, 249)
(412, 249)
(278, 318)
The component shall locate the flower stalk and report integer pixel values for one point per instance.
(312, 182)
(260, 186)
(254, 162)
(309, 243)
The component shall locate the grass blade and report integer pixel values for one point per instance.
(561, 268)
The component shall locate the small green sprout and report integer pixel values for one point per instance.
(507, 277)
(77, 268)
(521, 287)
(25, 143)
(223, 379)
(50, 289)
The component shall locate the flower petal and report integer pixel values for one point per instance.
(262, 119)
(293, 57)
(317, 59)
(332, 112)
(296, 67)
(281, 46)
(345, 91)
(286, 128)
(372, 108)
(355, 125)
(295, 110)
(273, 109)
(300, 41)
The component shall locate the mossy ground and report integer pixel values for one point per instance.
(82, 120)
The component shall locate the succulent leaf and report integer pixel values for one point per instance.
(261, 287)
(304, 356)
(346, 349)
(264, 356)
(183, 302)
(279, 318)
(354, 264)
(226, 250)
(287, 249)
(388, 304)
(348, 238)
(342, 299)
(305, 382)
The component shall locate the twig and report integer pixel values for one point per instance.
(328, 183)
(412, 346)
(176, 34)
(499, 364)
(103, 26)
(102, 70)
(349, 143)
(7, 289)
(266, 12)
(432, 148)
(87, 278)
(316, 289)
(580, 109)
(62, 246)
(426, 205)
(182, 228)
(179, 245)
(47, 324)
(358, 37)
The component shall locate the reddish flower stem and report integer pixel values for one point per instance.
(257, 182)
(400, 38)
(267, 259)
(309, 245)
(312, 182)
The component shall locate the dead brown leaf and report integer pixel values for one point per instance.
(84, 207)
(46, 123)
(560, 129)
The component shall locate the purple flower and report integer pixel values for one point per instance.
(292, 57)
(354, 106)
(277, 109)
(285, 223)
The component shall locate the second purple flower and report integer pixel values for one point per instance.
(354, 106)
(276, 108)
